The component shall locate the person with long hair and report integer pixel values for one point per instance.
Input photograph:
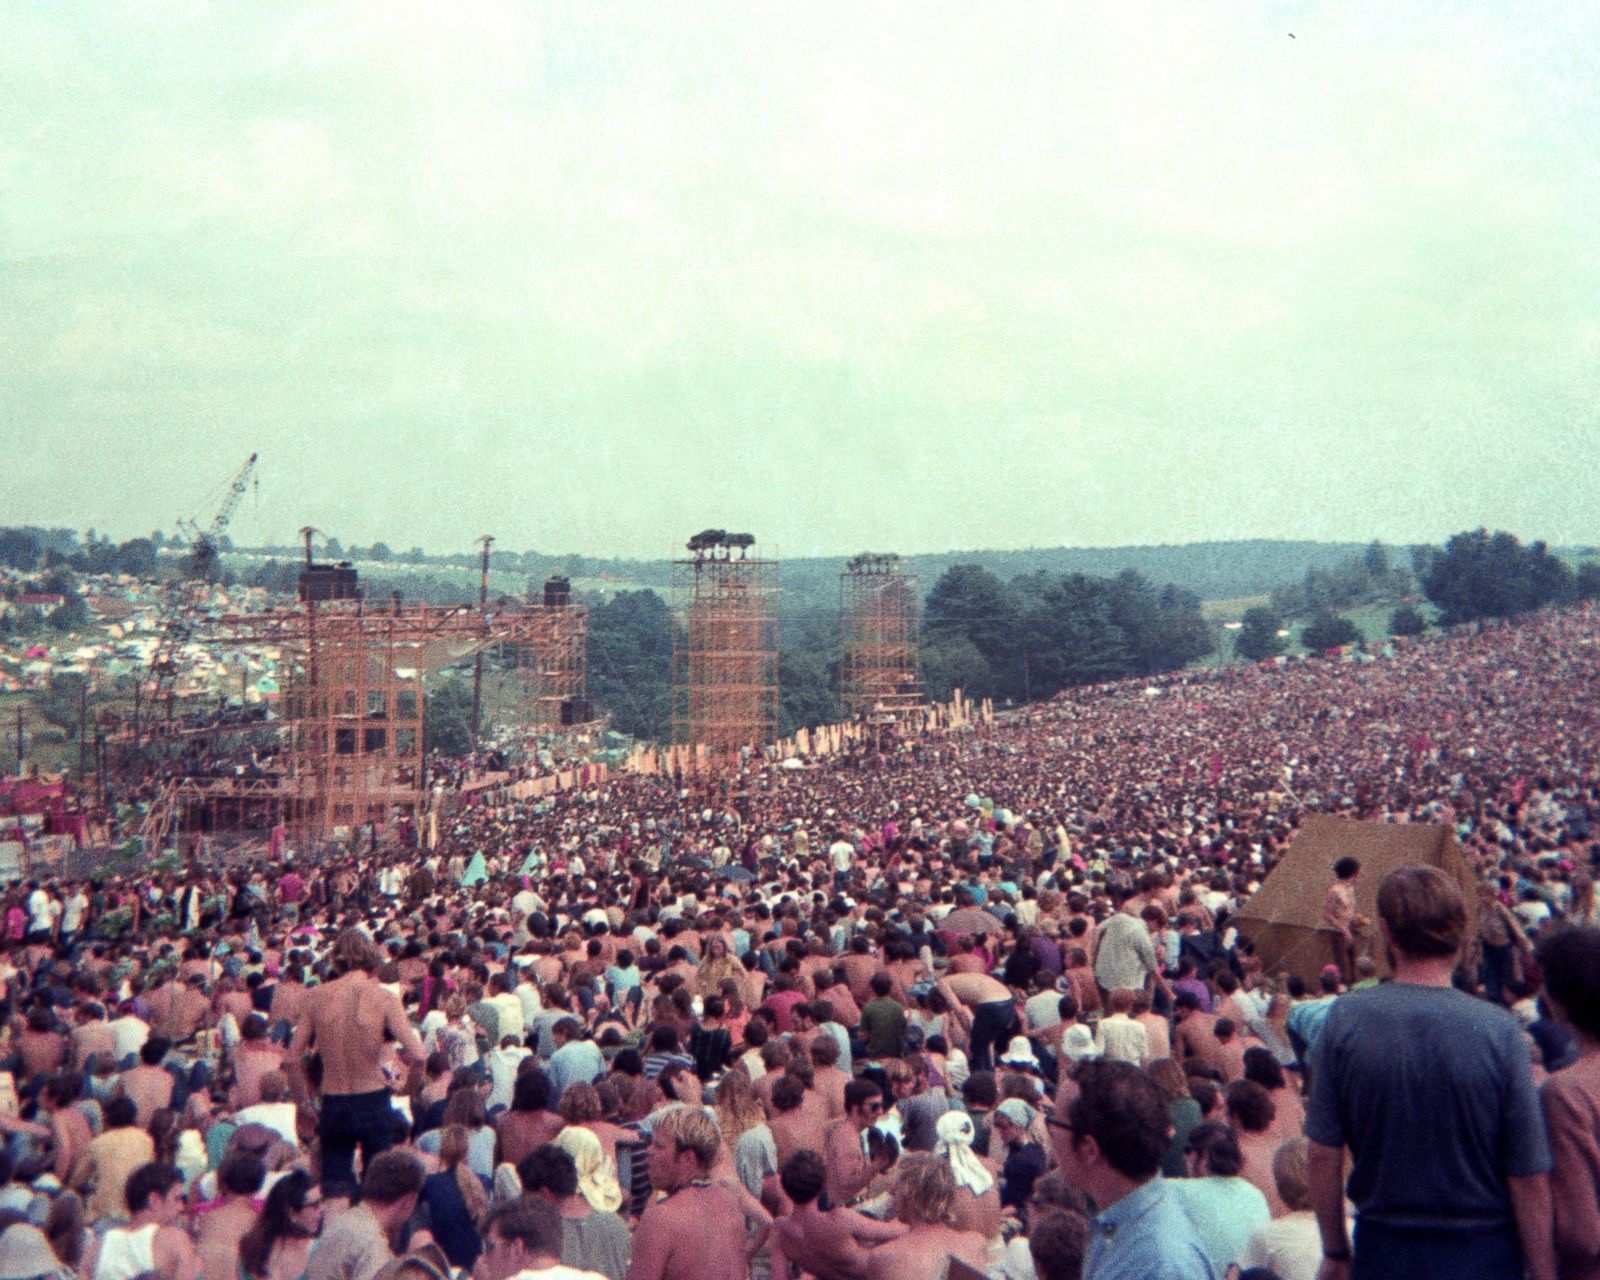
(529, 1123)
(455, 1199)
(1182, 1109)
(718, 966)
(743, 1122)
(279, 1245)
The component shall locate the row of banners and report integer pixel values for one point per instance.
(811, 744)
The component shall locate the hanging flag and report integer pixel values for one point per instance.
(476, 873)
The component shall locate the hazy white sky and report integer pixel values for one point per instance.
(909, 277)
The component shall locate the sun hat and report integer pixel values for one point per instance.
(1019, 1053)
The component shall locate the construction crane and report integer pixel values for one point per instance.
(177, 621)
(205, 550)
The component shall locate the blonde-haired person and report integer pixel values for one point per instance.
(924, 1199)
(696, 1231)
(745, 1134)
(976, 1202)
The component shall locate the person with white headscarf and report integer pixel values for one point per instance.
(596, 1181)
(977, 1200)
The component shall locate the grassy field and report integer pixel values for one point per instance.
(1231, 610)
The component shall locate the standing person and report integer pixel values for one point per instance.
(347, 1021)
(697, 1232)
(993, 1012)
(841, 854)
(1430, 1089)
(1109, 1144)
(1339, 916)
(1570, 961)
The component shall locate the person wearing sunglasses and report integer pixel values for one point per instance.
(278, 1246)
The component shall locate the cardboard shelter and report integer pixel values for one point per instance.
(1284, 917)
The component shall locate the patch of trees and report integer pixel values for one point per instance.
(630, 663)
(1479, 575)
(1354, 580)
(30, 548)
(1328, 630)
(1042, 632)
(1258, 635)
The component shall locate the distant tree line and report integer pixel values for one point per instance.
(1355, 580)
(31, 549)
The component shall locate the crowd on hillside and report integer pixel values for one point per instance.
(977, 1002)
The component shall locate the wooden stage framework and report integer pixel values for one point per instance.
(879, 640)
(353, 706)
(724, 645)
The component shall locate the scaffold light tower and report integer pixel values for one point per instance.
(879, 672)
(552, 669)
(725, 644)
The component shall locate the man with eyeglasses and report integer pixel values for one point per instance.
(1109, 1142)
(849, 1168)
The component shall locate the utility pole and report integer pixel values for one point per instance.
(83, 732)
(477, 664)
(19, 742)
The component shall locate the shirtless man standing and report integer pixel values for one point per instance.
(992, 1009)
(924, 1194)
(697, 1232)
(346, 1021)
(830, 1244)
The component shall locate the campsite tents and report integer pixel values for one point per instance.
(1284, 917)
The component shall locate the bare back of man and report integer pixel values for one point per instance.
(973, 989)
(830, 1245)
(697, 1233)
(346, 1021)
(924, 1253)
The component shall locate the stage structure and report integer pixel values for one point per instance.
(724, 644)
(879, 673)
(350, 747)
(552, 669)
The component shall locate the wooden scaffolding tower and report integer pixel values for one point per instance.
(724, 645)
(552, 667)
(879, 672)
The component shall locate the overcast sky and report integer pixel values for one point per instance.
(900, 277)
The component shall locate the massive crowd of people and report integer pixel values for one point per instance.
(971, 1006)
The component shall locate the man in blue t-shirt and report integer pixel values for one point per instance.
(1431, 1091)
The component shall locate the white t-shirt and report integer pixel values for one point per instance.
(1290, 1245)
(42, 910)
(277, 1116)
(841, 853)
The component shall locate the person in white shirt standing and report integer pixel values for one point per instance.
(43, 912)
(841, 854)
